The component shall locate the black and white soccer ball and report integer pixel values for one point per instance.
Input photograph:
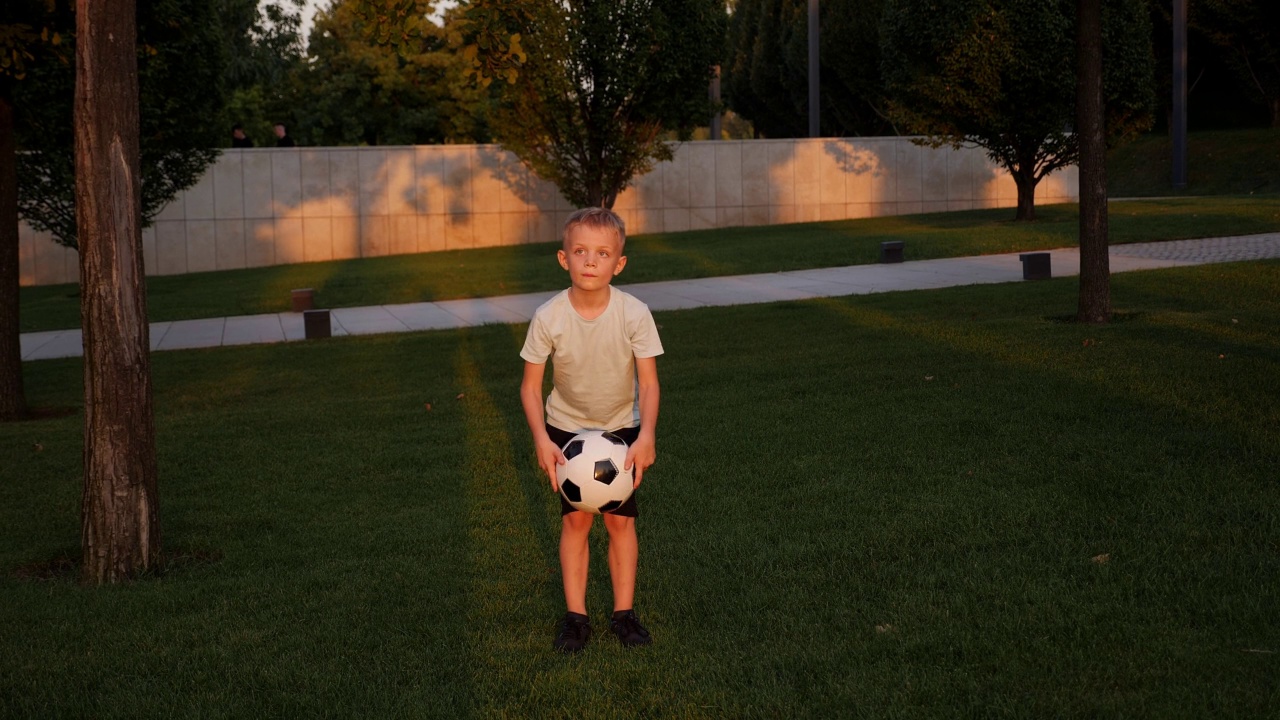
(592, 478)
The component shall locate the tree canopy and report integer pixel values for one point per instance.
(1000, 74)
(1249, 33)
(602, 84)
(589, 89)
(355, 90)
(768, 65)
(181, 70)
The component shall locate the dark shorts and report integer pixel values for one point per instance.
(561, 437)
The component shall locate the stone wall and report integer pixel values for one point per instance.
(277, 206)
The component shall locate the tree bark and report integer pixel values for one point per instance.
(120, 532)
(13, 403)
(1095, 269)
(1026, 194)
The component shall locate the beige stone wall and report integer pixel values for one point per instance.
(277, 206)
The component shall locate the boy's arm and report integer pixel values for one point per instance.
(531, 398)
(644, 450)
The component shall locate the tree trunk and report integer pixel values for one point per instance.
(120, 532)
(1024, 178)
(1095, 270)
(1275, 113)
(13, 403)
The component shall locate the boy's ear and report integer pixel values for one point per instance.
(622, 262)
(564, 259)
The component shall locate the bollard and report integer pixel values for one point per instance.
(1035, 266)
(315, 324)
(303, 299)
(891, 251)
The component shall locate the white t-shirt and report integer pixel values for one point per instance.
(594, 361)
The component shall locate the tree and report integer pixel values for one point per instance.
(1000, 74)
(120, 531)
(181, 61)
(30, 33)
(602, 84)
(1249, 30)
(1095, 271)
(767, 67)
(264, 50)
(361, 91)
(591, 87)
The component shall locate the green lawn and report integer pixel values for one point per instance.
(1219, 162)
(670, 256)
(895, 505)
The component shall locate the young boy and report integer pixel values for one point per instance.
(605, 346)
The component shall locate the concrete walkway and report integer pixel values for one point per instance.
(672, 295)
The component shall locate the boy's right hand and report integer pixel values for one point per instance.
(549, 456)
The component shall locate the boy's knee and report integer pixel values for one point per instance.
(577, 521)
(619, 523)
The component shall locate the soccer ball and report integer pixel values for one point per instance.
(592, 478)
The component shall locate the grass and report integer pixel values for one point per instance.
(670, 256)
(895, 505)
(1220, 162)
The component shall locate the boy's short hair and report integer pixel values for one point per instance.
(598, 218)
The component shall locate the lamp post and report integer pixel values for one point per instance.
(1178, 129)
(713, 92)
(814, 128)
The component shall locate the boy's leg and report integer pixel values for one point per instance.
(575, 527)
(624, 553)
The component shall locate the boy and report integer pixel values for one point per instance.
(605, 346)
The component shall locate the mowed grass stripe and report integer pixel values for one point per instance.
(1048, 527)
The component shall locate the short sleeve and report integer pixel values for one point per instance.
(537, 342)
(642, 330)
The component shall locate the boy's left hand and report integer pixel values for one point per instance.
(640, 456)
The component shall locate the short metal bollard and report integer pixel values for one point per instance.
(891, 251)
(1035, 266)
(303, 299)
(315, 324)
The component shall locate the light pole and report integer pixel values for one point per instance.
(713, 92)
(814, 129)
(1178, 131)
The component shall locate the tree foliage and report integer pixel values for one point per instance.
(181, 61)
(1249, 32)
(1000, 74)
(264, 53)
(601, 85)
(768, 67)
(31, 33)
(358, 90)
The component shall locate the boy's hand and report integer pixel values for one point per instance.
(640, 456)
(549, 456)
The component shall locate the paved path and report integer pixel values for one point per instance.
(672, 295)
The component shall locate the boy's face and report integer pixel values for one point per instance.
(592, 256)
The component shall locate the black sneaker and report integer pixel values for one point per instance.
(628, 629)
(575, 630)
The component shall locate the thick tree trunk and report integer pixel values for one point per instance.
(120, 532)
(1026, 183)
(1095, 270)
(13, 403)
